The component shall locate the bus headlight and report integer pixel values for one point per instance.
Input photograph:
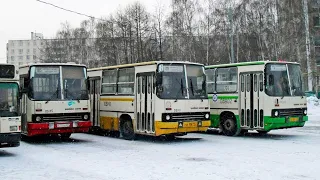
(38, 118)
(167, 117)
(276, 113)
(86, 117)
(305, 112)
(207, 116)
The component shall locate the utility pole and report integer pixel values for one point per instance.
(306, 23)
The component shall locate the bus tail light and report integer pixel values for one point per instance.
(38, 110)
(85, 109)
(168, 109)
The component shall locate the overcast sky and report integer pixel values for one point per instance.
(19, 18)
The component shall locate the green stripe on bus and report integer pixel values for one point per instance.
(225, 97)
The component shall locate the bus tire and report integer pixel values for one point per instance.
(115, 134)
(170, 137)
(228, 125)
(126, 129)
(65, 136)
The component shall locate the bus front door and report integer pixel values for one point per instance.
(251, 100)
(94, 93)
(145, 103)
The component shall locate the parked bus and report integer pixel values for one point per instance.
(150, 98)
(55, 99)
(259, 96)
(10, 121)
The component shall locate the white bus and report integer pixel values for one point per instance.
(10, 120)
(261, 96)
(149, 98)
(55, 99)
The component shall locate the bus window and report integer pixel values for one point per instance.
(210, 73)
(277, 80)
(227, 79)
(109, 81)
(126, 81)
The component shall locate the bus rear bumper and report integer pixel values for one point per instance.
(10, 139)
(58, 127)
(163, 128)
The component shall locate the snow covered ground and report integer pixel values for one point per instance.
(283, 154)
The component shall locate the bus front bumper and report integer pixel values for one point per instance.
(284, 122)
(10, 139)
(58, 127)
(163, 128)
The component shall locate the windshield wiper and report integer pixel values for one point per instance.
(55, 93)
(68, 92)
(181, 88)
(191, 86)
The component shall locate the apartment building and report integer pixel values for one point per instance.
(25, 51)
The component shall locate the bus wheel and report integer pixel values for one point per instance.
(65, 136)
(229, 126)
(261, 132)
(170, 137)
(115, 134)
(126, 129)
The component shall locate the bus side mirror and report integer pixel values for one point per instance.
(271, 80)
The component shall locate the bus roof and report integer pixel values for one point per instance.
(249, 64)
(51, 64)
(142, 64)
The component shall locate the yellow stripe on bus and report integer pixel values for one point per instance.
(117, 99)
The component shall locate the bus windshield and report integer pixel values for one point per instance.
(48, 82)
(174, 80)
(284, 80)
(8, 99)
(74, 82)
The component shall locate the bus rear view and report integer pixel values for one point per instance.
(55, 99)
(10, 121)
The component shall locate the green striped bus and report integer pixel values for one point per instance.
(260, 96)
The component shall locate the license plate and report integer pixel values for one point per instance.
(190, 124)
(294, 119)
(63, 125)
(13, 128)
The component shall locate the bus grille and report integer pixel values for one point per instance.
(291, 112)
(62, 118)
(187, 117)
(174, 117)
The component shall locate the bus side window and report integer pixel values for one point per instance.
(210, 77)
(227, 80)
(242, 83)
(109, 82)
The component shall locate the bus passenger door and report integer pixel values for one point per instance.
(250, 100)
(145, 103)
(94, 91)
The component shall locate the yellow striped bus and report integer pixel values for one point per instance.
(158, 98)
